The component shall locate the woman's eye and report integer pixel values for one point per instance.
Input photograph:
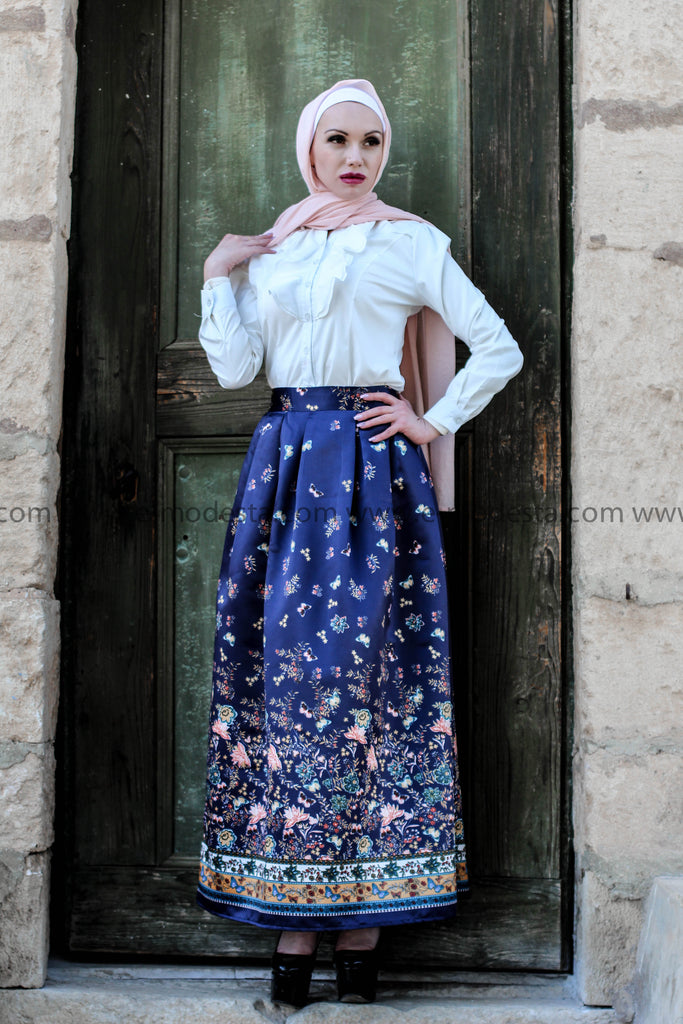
(336, 138)
(372, 141)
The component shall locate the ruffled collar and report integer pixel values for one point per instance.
(301, 276)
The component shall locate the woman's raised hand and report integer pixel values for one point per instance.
(234, 249)
(397, 417)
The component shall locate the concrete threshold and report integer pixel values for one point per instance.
(165, 994)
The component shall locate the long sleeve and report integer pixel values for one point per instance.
(230, 332)
(495, 356)
(329, 308)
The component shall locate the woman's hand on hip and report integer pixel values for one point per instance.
(395, 416)
(234, 249)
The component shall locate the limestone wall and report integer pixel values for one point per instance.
(37, 86)
(627, 417)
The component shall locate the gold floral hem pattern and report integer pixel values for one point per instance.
(320, 889)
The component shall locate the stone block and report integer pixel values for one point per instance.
(642, 167)
(36, 119)
(637, 210)
(625, 362)
(628, 675)
(29, 667)
(630, 48)
(32, 327)
(607, 933)
(627, 416)
(24, 917)
(628, 817)
(625, 562)
(28, 516)
(659, 974)
(27, 784)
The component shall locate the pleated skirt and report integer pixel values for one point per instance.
(333, 799)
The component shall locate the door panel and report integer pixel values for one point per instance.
(517, 698)
(168, 159)
(106, 796)
(245, 71)
(507, 924)
(196, 489)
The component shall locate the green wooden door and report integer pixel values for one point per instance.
(186, 123)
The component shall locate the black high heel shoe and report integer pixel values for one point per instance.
(356, 975)
(291, 977)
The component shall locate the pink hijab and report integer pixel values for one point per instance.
(428, 363)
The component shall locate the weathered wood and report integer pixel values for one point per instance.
(196, 490)
(504, 576)
(458, 539)
(515, 749)
(486, 932)
(108, 538)
(191, 402)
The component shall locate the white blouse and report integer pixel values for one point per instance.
(330, 308)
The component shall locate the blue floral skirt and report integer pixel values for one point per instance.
(333, 799)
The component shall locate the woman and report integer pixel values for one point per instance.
(333, 800)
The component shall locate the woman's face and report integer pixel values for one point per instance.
(347, 149)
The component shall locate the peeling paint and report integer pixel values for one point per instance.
(549, 30)
(628, 115)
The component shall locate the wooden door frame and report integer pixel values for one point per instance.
(127, 468)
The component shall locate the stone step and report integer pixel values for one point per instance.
(115, 994)
(659, 976)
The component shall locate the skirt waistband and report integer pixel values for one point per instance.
(323, 398)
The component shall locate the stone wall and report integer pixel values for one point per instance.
(627, 453)
(37, 85)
